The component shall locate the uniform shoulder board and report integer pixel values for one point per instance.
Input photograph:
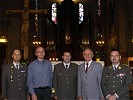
(126, 65)
(24, 64)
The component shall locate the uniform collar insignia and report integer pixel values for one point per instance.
(21, 65)
(119, 67)
(11, 66)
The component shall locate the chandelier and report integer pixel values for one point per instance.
(36, 41)
(3, 39)
(100, 41)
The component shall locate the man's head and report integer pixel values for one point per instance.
(115, 56)
(66, 56)
(16, 55)
(88, 54)
(40, 53)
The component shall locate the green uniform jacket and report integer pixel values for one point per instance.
(116, 81)
(14, 82)
(65, 81)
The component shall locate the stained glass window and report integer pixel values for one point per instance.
(54, 13)
(99, 7)
(81, 13)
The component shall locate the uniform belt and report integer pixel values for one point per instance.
(42, 87)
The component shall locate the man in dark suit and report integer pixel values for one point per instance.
(89, 78)
(14, 79)
(65, 79)
(116, 78)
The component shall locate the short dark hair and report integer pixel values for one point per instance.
(66, 52)
(16, 49)
(115, 49)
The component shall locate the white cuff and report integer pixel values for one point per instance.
(116, 96)
(108, 96)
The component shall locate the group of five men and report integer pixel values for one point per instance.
(69, 81)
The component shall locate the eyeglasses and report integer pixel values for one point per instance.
(40, 52)
(88, 55)
(114, 55)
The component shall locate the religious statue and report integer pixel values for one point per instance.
(25, 23)
(25, 26)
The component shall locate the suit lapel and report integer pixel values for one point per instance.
(21, 66)
(12, 67)
(70, 67)
(62, 67)
(91, 66)
(83, 67)
(111, 70)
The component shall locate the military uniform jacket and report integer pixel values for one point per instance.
(116, 81)
(65, 81)
(89, 83)
(14, 82)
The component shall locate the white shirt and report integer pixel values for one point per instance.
(88, 64)
(16, 64)
(115, 66)
(66, 64)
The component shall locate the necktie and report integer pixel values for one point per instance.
(86, 67)
(67, 66)
(17, 66)
(114, 67)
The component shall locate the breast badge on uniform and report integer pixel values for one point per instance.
(121, 75)
(22, 71)
(11, 78)
(11, 72)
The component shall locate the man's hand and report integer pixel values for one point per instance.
(79, 98)
(28, 97)
(55, 98)
(5, 99)
(112, 97)
(102, 98)
(34, 97)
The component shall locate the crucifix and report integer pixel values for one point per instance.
(25, 24)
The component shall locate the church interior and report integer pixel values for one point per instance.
(72, 25)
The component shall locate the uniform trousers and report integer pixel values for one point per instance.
(43, 93)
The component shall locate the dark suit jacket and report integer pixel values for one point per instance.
(65, 81)
(14, 82)
(116, 81)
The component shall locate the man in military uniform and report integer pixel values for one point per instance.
(116, 78)
(65, 79)
(14, 79)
